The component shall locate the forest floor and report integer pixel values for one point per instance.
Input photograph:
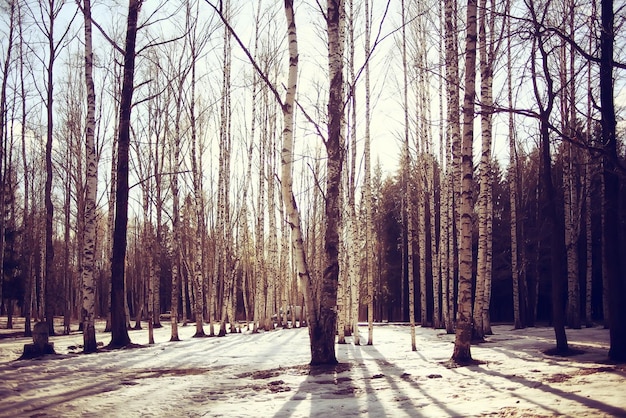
(267, 375)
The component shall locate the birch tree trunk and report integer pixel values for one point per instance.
(367, 186)
(197, 271)
(260, 272)
(454, 134)
(347, 241)
(423, 149)
(572, 228)
(291, 208)
(570, 185)
(438, 249)
(87, 268)
(273, 267)
(513, 198)
(485, 209)
(406, 180)
(176, 237)
(322, 331)
(224, 231)
(462, 354)
(444, 197)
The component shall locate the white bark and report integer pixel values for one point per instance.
(463, 331)
(88, 257)
(406, 195)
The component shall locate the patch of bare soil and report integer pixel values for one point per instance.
(316, 370)
(278, 386)
(269, 373)
(561, 377)
(512, 412)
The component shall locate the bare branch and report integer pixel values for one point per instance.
(263, 76)
(102, 31)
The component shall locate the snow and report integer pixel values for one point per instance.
(267, 375)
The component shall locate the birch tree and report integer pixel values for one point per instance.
(454, 136)
(367, 184)
(462, 354)
(488, 47)
(407, 212)
(87, 268)
(571, 199)
(513, 184)
(322, 320)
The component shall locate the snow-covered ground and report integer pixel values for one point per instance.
(266, 375)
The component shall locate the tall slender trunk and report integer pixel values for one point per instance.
(197, 271)
(323, 331)
(571, 196)
(422, 144)
(367, 186)
(3, 126)
(513, 197)
(444, 200)
(454, 136)
(557, 244)
(49, 207)
(87, 268)
(590, 167)
(291, 208)
(176, 270)
(406, 183)
(616, 280)
(463, 332)
(485, 214)
(28, 241)
(119, 321)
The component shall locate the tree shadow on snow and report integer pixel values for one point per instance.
(397, 374)
(327, 388)
(542, 386)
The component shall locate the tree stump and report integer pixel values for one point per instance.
(40, 345)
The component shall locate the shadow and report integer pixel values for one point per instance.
(539, 385)
(326, 391)
(40, 402)
(412, 410)
(372, 399)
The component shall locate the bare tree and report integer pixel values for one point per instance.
(3, 128)
(512, 177)
(617, 351)
(119, 332)
(47, 15)
(540, 57)
(463, 338)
